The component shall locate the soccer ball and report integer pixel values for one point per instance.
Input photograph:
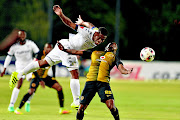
(147, 54)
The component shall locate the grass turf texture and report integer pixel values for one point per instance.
(135, 100)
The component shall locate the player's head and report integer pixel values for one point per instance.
(47, 48)
(111, 47)
(100, 36)
(21, 36)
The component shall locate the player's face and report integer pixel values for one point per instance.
(98, 38)
(112, 47)
(47, 48)
(22, 37)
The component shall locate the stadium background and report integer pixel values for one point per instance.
(133, 24)
(142, 23)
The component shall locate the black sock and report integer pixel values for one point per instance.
(115, 114)
(23, 101)
(61, 98)
(80, 115)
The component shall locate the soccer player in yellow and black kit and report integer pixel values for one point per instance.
(41, 77)
(98, 77)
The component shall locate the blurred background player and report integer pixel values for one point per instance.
(98, 77)
(41, 77)
(9, 40)
(23, 51)
(87, 37)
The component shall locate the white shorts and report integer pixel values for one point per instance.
(22, 65)
(56, 56)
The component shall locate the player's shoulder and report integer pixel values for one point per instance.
(14, 46)
(29, 41)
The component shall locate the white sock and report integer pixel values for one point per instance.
(28, 101)
(34, 65)
(75, 89)
(14, 96)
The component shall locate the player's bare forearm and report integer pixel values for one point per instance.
(67, 21)
(88, 24)
(64, 19)
(124, 70)
(74, 52)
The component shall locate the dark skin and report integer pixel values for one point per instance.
(111, 48)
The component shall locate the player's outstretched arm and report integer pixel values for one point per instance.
(64, 19)
(80, 21)
(124, 70)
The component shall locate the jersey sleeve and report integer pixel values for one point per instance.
(118, 61)
(87, 54)
(34, 47)
(83, 30)
(11, 51)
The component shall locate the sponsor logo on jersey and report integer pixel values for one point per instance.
(101, 59)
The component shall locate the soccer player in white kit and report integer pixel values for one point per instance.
(86, 38)
(23, 51)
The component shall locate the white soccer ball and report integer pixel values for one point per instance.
(147, 54)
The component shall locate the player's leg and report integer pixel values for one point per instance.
(106, 95)
(113, 109)
(33, 86)
(27, 104)
(34, 65)
(80, 112)
(53, 57)
(87, 95)
(14, 95)
(75, 88)
(59, 90)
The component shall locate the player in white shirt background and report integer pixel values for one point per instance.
(23, 52)
(88, 36)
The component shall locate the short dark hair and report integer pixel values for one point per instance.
(103, 31)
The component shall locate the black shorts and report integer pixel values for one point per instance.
(91, 87)
(48, 82)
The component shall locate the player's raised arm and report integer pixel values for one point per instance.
(124, 70)
(64, 19)
(80, 21)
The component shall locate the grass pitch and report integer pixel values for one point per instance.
(136, 100)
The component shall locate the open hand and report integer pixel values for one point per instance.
(130, 71)
(79, 21)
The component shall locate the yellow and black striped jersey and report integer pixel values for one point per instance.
(42, 72)
(101, 64)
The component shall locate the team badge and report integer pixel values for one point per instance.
(102, 57)
(33, 85)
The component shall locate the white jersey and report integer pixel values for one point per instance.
(23, 53)
(82, 40)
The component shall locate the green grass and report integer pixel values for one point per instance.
(135, 100)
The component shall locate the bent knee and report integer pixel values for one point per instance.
(110, 104)
(31, 91)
